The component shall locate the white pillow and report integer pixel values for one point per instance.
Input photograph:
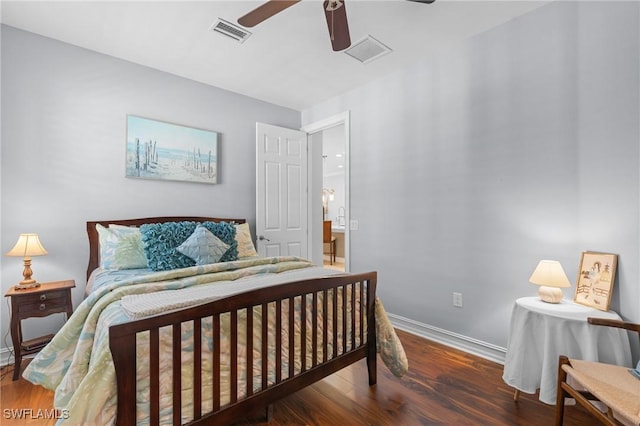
(245, 242)
(120, 247)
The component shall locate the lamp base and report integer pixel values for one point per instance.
(22, 285)
(550, 294)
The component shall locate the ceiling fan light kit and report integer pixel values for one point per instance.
(334, 10)
(336, 13)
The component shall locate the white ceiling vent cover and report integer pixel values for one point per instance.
(367, 49)
(230, 30)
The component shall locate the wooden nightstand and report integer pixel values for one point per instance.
(50, 298)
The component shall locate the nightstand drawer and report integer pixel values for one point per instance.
(42, 303)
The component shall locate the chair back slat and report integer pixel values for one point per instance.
(326, 231)
(615, 323)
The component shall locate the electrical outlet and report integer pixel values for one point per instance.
(457, 300)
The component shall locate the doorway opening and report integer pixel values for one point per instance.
(329, 189)
(333, 197)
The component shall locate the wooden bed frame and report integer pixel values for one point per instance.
(122, 340)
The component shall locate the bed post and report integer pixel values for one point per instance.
(94, 260)
(371, 331)
(123, 349)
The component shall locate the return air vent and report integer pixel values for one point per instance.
(230, 30)
(367, 49)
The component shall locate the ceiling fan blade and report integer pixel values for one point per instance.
(336, 13)
(264, 12)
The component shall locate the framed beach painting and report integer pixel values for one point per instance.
(167, 151)
(596, 276)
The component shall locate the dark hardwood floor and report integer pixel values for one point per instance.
(444, 386)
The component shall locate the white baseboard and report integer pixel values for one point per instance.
(458, 341)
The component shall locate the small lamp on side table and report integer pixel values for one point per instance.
(550, 276)
(28, 245)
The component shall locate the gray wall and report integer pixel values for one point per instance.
(519, 145)
(64, 115)
(467, 169)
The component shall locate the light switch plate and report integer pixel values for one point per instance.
(353, 224)
(457, 300)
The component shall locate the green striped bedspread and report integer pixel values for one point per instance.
(78, 367)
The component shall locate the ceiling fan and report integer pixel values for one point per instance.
(334, 10)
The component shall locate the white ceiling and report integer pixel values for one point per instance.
(287, 61)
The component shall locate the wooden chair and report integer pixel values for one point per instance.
(613, 386)
(328, 238)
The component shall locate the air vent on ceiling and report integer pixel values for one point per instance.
(367, 49)
(230, 30)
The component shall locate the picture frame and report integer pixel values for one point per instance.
(596, 276)
(166, 151)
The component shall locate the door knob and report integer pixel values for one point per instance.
(262, 238)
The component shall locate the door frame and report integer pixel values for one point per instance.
(315, 160)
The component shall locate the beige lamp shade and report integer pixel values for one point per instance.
(550, 276)
(28, 245)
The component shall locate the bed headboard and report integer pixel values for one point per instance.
(92, 232)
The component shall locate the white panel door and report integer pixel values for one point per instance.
(281, 191)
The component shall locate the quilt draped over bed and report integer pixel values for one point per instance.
(77, 364)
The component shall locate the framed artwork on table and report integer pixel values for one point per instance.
(167, 151)
(596, 276)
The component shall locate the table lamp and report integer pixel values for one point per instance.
(550, 276)
(28, 245)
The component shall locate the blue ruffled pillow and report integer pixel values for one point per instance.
(162, 239)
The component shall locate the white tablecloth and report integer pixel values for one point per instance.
(540, 332)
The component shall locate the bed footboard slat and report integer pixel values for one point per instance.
(303, 333)
(215, 376)
(154, 376)
(314, 330)
(334, 309)
(250, 337)
(278, 355)
(325, 322)
(265, 341)
(344, 318)
(197, 368)
(371, 332)
(353, 314)
(363, 311)
(292, 331)
(177, 373)
(233, 355)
